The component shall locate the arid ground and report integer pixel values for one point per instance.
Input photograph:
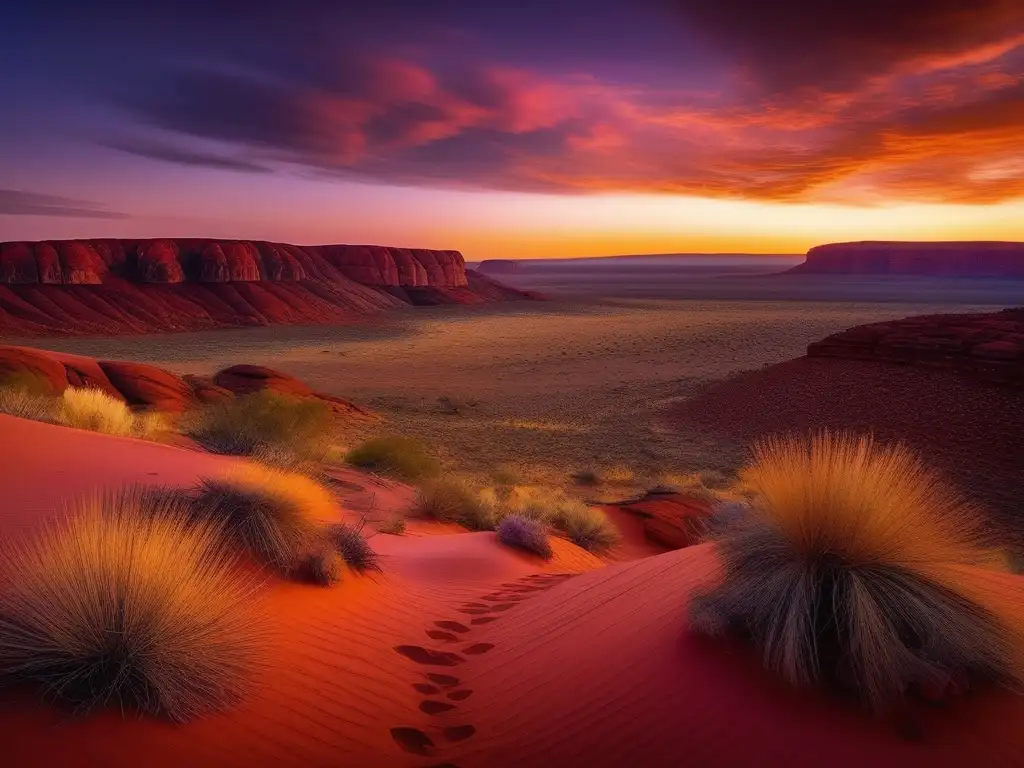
(538, 390)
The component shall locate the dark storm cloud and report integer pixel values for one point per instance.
(16, 202)
(836, 43)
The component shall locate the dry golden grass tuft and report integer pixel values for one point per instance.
(277, 428)
(116, 604)
(15, 401)
(858, 568)
(97, 411)
(274, 514)
(452, 500)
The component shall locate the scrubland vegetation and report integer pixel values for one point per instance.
(28, 397)
(452, 500)
(278, 429)
(857, 568)
(130, 602)
(402, 457)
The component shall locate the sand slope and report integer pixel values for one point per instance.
(465, 653)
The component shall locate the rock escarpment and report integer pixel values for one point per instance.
(953, 259)
(152, 388)
(988, 346)
(140, 286)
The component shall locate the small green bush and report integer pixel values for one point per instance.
(452, 501)
(278, 429)
(586, 527)
(403, 457)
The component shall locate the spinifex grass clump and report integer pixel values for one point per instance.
(586, 526)
(349, 542)
(859, 569)
(524, 533)
(275, 515)
(97, 411)
(403, 457)
(280, 429)
(116, 604)
(450, 500)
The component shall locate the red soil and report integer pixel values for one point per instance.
(971, 431)
(106, 287)
(671, 520)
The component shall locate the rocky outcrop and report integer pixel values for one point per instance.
(673, 520)
(989, 346)
(953, 259)
(152, 388)
(92, 287)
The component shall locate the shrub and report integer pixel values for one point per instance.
(353, 547)
(22, 403)
(449, 500)
(588, 477)
(586, 526)
(857, 568)
(403, 457)
(321, 566)
(523, 533)
(116, 605)
(97, 411)
(282, 430)
(395, 526)
(275, 515)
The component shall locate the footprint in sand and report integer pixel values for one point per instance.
(432, 707)
(427, 656)
(436, 634)
(484, 620)
(413, 740)
(445, 681)
(475, 611)
(462, 695)
(454, 626)
(459, 732)
(426, 688)
(477, 648)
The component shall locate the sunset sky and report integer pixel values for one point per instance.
(515, 129)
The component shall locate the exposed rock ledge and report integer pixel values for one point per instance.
(146, 386)
(987, 346)
(138, 286)
(953, 259)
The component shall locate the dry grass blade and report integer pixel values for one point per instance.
(117, 605)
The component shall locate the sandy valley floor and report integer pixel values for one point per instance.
(541, 390)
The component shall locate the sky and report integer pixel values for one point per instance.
(515, 129)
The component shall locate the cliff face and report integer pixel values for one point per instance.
(979, 259)
(138, 286)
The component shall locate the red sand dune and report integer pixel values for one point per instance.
(139, 384)
(467, 653)
(97, 287)
(951, 259)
